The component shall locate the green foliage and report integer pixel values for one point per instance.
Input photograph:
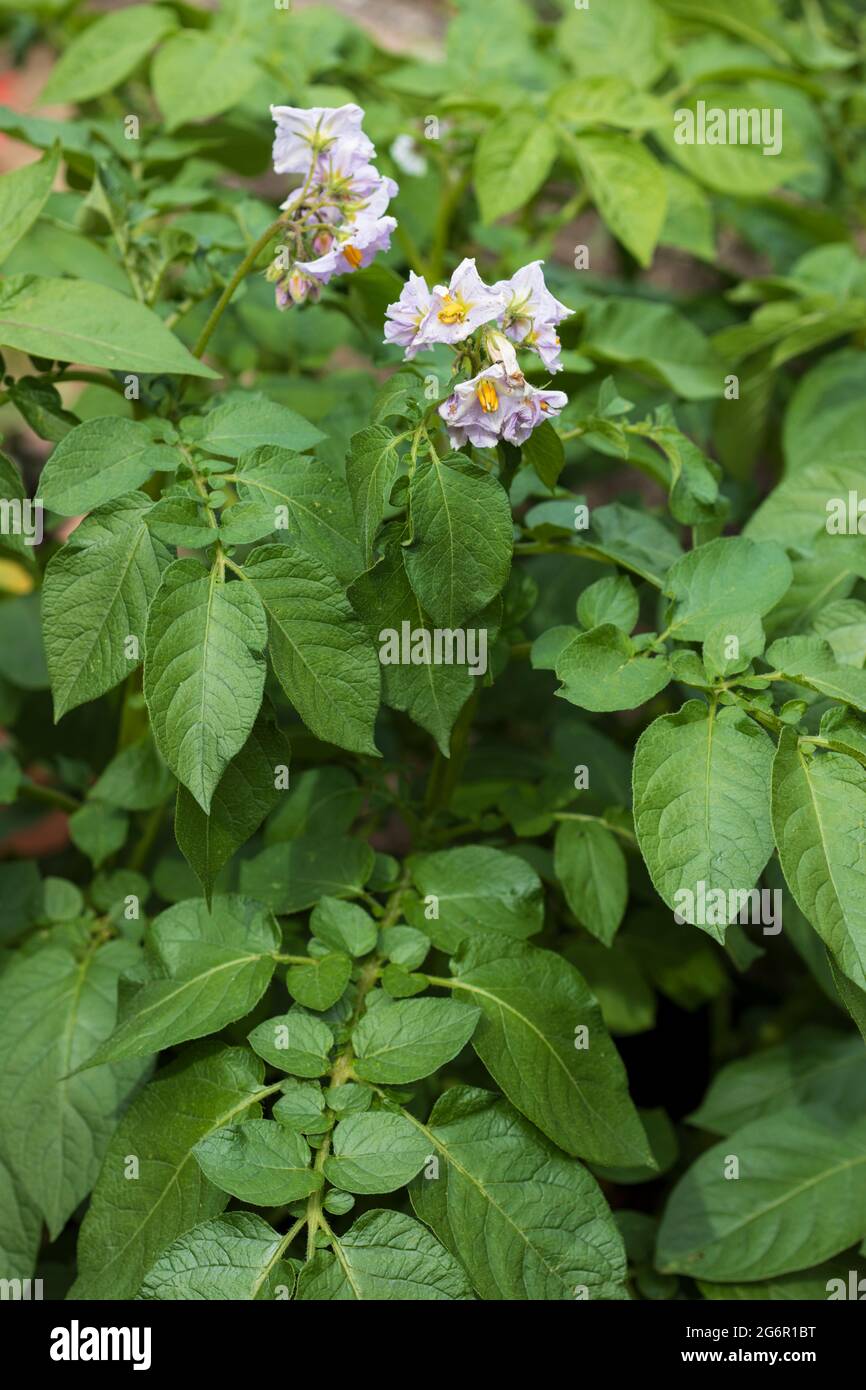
(337, 956)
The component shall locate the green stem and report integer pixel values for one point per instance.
(599, 820)
(140, 854)
(50, 796)
(246, 265)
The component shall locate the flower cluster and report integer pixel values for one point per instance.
(338, 219)
(497, 403)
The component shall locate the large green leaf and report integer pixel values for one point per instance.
(99, 460)
(197, 74)
(702, 810)
(130, 1222)
(95, 599)
(812, 1065)
(627, 187)
(292, 876)
(55, 1010)
(729, 575)
(246, 792)
(548, 1233)
(819, 805)
(233, 1257)
(321, 653)
(20, 1227)
(603, 669)
(305, 502)
(22, 195)
(810, 661)
(207, 968)
(542, 1039)
(473, 890)
(294, 1042)
(248, 421)
(384, 1256)
(371, 469)
(99, 58)
(460, 554)
(512, 160)
(799, 1198)
(78, 321)
(203, 672)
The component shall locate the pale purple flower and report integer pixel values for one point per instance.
(353, 248)
(458, 308)
(302, 134)
(406, 315)
(494, 406)
(532, 313)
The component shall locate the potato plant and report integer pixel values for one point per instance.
(432, 645)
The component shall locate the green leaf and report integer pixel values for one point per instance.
(95, 597)
(105, 53)
(460, 556)
(729, 575)
(79, 321)
(432, 695)
(22, 654)
(100, 460)
(306, 503)
(12, 490)
(702, 810)
(408, 1039)
(375, 1152)
(627, 187)
(203, 672)
(302, 1107)
(136, 779)
(233, 1257)
(98, 831)
(344, 927)
(513, 159)
(798, 1199)
(295, 1043)
(548, 1233)
(20, 1227)
(207, 969)
(819, 802)
(536, 1009)
(321, 654)
(55, 1010)
(22, 195)
(259, 1162)
(477, 890)
(813, 1065)
(599, 41)
(810, 661)
(292, 876)
(130, 1223)
(609, 600)
(603, 669)
(321, 983)
(592, 870)
(249, 421)
(321, 801)
(244, 795)
(371, 470)
(655, 340)
(384, 1256)
(196, 75)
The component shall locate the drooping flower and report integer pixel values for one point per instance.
(337, 222)
(461, 306)
(405, 316)
(532, 313)
(494, 406)
(302, 134)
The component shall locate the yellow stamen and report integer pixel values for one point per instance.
(453, 310)
(543, 405)
(486, 393)
(353, 256)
